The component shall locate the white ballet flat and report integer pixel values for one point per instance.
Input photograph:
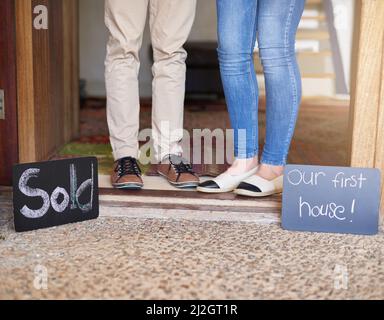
(257, 187)
(224, 183)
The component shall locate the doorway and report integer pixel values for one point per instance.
(49, 113)
(324, 112)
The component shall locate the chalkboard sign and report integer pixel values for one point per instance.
(55, 193)
(331, 199)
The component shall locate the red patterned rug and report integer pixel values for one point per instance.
(320, 138)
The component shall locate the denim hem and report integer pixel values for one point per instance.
(249, 155)
(274, 163)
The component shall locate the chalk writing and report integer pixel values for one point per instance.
(53, 200)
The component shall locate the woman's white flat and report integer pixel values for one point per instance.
(224, 183)
(256, 187)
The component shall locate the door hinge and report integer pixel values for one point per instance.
(2, 105)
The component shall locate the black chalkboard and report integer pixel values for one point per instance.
(331, 199)
(55, 193)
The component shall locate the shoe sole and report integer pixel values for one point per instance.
(128, 187)
(208, 190)
(184, 185)
(247, 193)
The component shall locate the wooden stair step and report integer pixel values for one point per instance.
(323, 53)
(311, 65)
(313, 35)
(325, 75)
(320, 18)
(309, 2)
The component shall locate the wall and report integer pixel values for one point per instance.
(93, 38)
(344, 16)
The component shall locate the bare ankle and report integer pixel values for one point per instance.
(270, 172)
(241, 166)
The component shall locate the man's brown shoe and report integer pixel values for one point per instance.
(127, 174)
(178, 172)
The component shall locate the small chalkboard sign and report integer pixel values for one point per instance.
(331, 199)
(55, 193)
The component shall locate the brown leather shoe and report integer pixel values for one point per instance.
(178, 172)
(127, 174)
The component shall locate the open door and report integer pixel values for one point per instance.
(39, 83)
(8, 115)
(47, 76)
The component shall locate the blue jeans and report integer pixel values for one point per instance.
(274, 24)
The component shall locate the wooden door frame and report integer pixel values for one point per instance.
(366, 147)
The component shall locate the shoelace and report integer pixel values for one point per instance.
(128, 166)
(181, 167)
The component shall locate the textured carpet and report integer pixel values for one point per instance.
(154, 259)
(320, 137)
(191, 259)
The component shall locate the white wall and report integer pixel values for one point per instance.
(93, 38)
(344, 13)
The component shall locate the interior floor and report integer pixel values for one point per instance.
(320, 137)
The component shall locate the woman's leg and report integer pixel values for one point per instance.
(278, 22)
(237, 24)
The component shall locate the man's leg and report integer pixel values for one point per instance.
(171, 22)
(125, 21)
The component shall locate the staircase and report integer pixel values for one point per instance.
(314, 52)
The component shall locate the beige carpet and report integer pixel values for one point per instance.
(139, 258)
(198, 255)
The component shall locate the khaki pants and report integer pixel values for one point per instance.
(170, 23)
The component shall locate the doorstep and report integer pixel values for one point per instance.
(188, 205)
(173, 205)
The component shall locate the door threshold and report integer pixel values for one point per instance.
(189, 205)
(176, 205)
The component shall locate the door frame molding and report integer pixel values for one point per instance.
(25, 82)
(366, 133)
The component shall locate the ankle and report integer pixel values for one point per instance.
(270, 172)
(241, 166)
